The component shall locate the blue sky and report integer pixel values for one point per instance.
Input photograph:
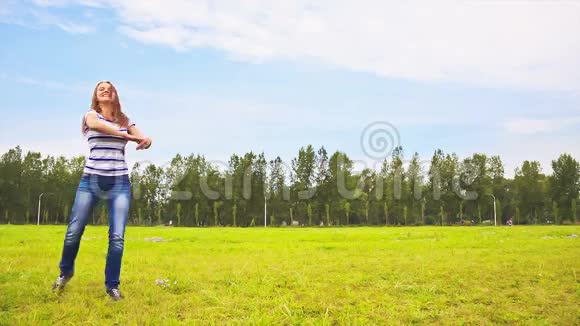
(219, 77)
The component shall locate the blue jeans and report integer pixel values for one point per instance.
(116, 190)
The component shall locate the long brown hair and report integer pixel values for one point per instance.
(118, 115)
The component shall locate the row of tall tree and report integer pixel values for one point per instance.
(312, 189)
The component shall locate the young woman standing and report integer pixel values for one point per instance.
(105, 176)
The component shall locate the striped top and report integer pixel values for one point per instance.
(107, 152)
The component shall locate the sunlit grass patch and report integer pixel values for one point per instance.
(367, 275)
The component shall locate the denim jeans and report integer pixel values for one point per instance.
(116, 190)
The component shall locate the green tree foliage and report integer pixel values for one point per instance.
(499, 209)
(529, 189)
(178, 213)
(386, 212)
(313, 188)
(573, 208)
(565, 183)
(555, 212)
(234, 215)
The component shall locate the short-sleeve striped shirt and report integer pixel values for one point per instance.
(107, 152)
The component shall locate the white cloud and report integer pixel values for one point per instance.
(536, 126)
(75, 28)
(63, 3)
(48, 84)
(46, 13)
(67, 26)
(50, 3)
(518, 44)
(522, 44)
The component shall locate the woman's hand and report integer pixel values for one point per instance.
(145, 143)
(134, 138)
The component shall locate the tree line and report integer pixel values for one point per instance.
(313, 189)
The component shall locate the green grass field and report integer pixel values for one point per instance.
(323, 276)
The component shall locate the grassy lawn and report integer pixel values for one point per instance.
(367, 275)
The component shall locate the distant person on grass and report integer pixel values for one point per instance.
(105, 176)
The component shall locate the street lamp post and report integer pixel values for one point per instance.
(38, 218)
(39, 198)
(494, 211)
